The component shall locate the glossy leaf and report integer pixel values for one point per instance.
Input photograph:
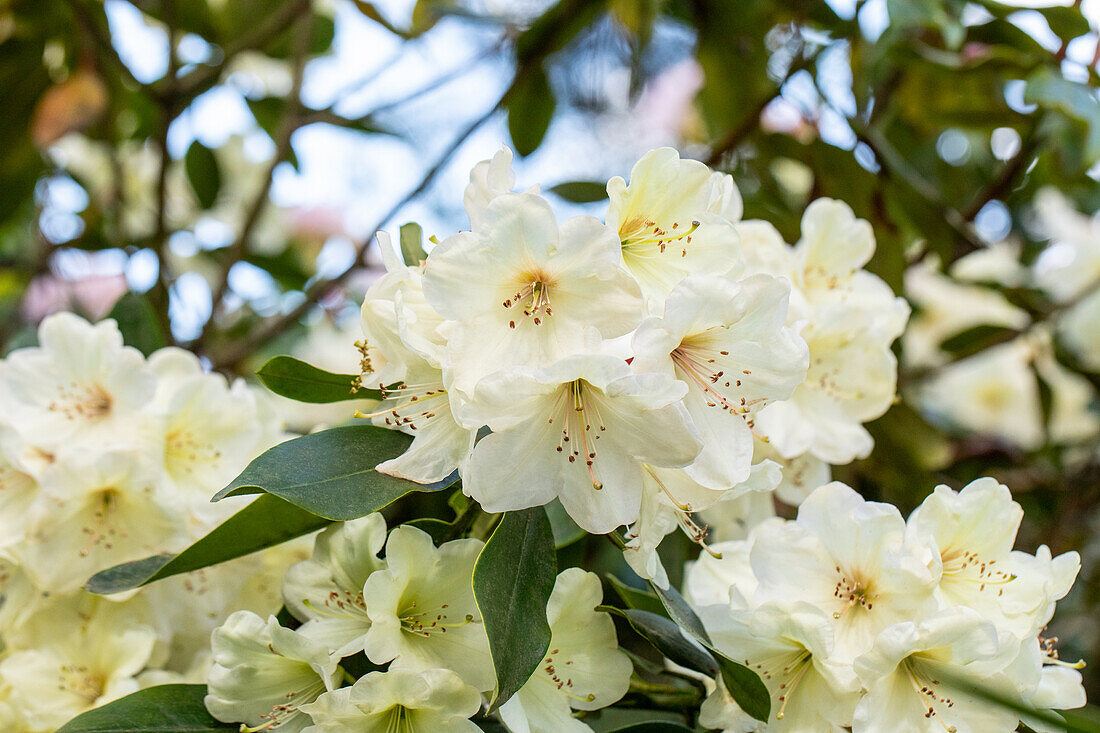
(744, 685)
(331, 473)
(162, 709)
(666, 638)
(513, 579)
(293, 378)
(266, 522)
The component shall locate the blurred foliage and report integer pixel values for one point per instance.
(898, 79)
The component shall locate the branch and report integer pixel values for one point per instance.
(194, 83)
(292, 119)
(102, 41)
(322, 288)
(1004, 181)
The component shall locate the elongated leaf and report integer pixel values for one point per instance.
(331, 473)
(513, 579)
(137, 320)
(293, 378)
(634, 598)
(530, 108)
(744, 685)
(266, 522)
(203, 173)
(162, 709)
(412, 244)
(566, 531)
(581, 192)
(666, 638)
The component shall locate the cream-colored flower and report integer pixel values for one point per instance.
(994, 392)
(326, 591)
(263, 674)
(581, 431)
(583, 669)
(398, 701)
(674, 219)
(83, 652)
(422, 609)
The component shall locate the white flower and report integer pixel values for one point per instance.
(398, 701)
(403, 346)
(848, 318)
(422, 609)
(81, 386)
(522, 290)
(846, 556)
(398, 323)
(997, 263)
(18, 492)
(583, 668)
(994, 392)
(263, 673)
(88, 652)
(669, 495)
(580, 431)
(799, 475)
(1079, 327)
(326, 591)
(211, 430)
(726, 341)
(674, 219)
(790, 647)
(489, 179)
(96, 511)
(971, 534)
(907, 670)
(735, 519)
(723, 579)
(946, 308)
(1070, 265)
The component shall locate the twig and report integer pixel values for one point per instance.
(292, 119)
(103, 43)
(194, 83)
(1002, 184)
(322, 288)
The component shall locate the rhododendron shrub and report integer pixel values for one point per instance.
(551, 399)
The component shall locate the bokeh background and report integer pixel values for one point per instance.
(212, 172)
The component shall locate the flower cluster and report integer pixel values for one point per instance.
(639, 369)
(853, 616)
(106, 457)
(997, 392)
(412, 614)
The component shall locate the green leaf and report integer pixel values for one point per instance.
(412, 244)
(266, 522)
(556, 27)
(293, 378)
(581, 192)
(162, 709)
(566, 531)
(635, 598)
(513, 579)
(666, 638)
(530, 105)
(976, 339)
(203, 173)
(744, 685)
(331, 473)
(1067, 23)
(138, 322)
